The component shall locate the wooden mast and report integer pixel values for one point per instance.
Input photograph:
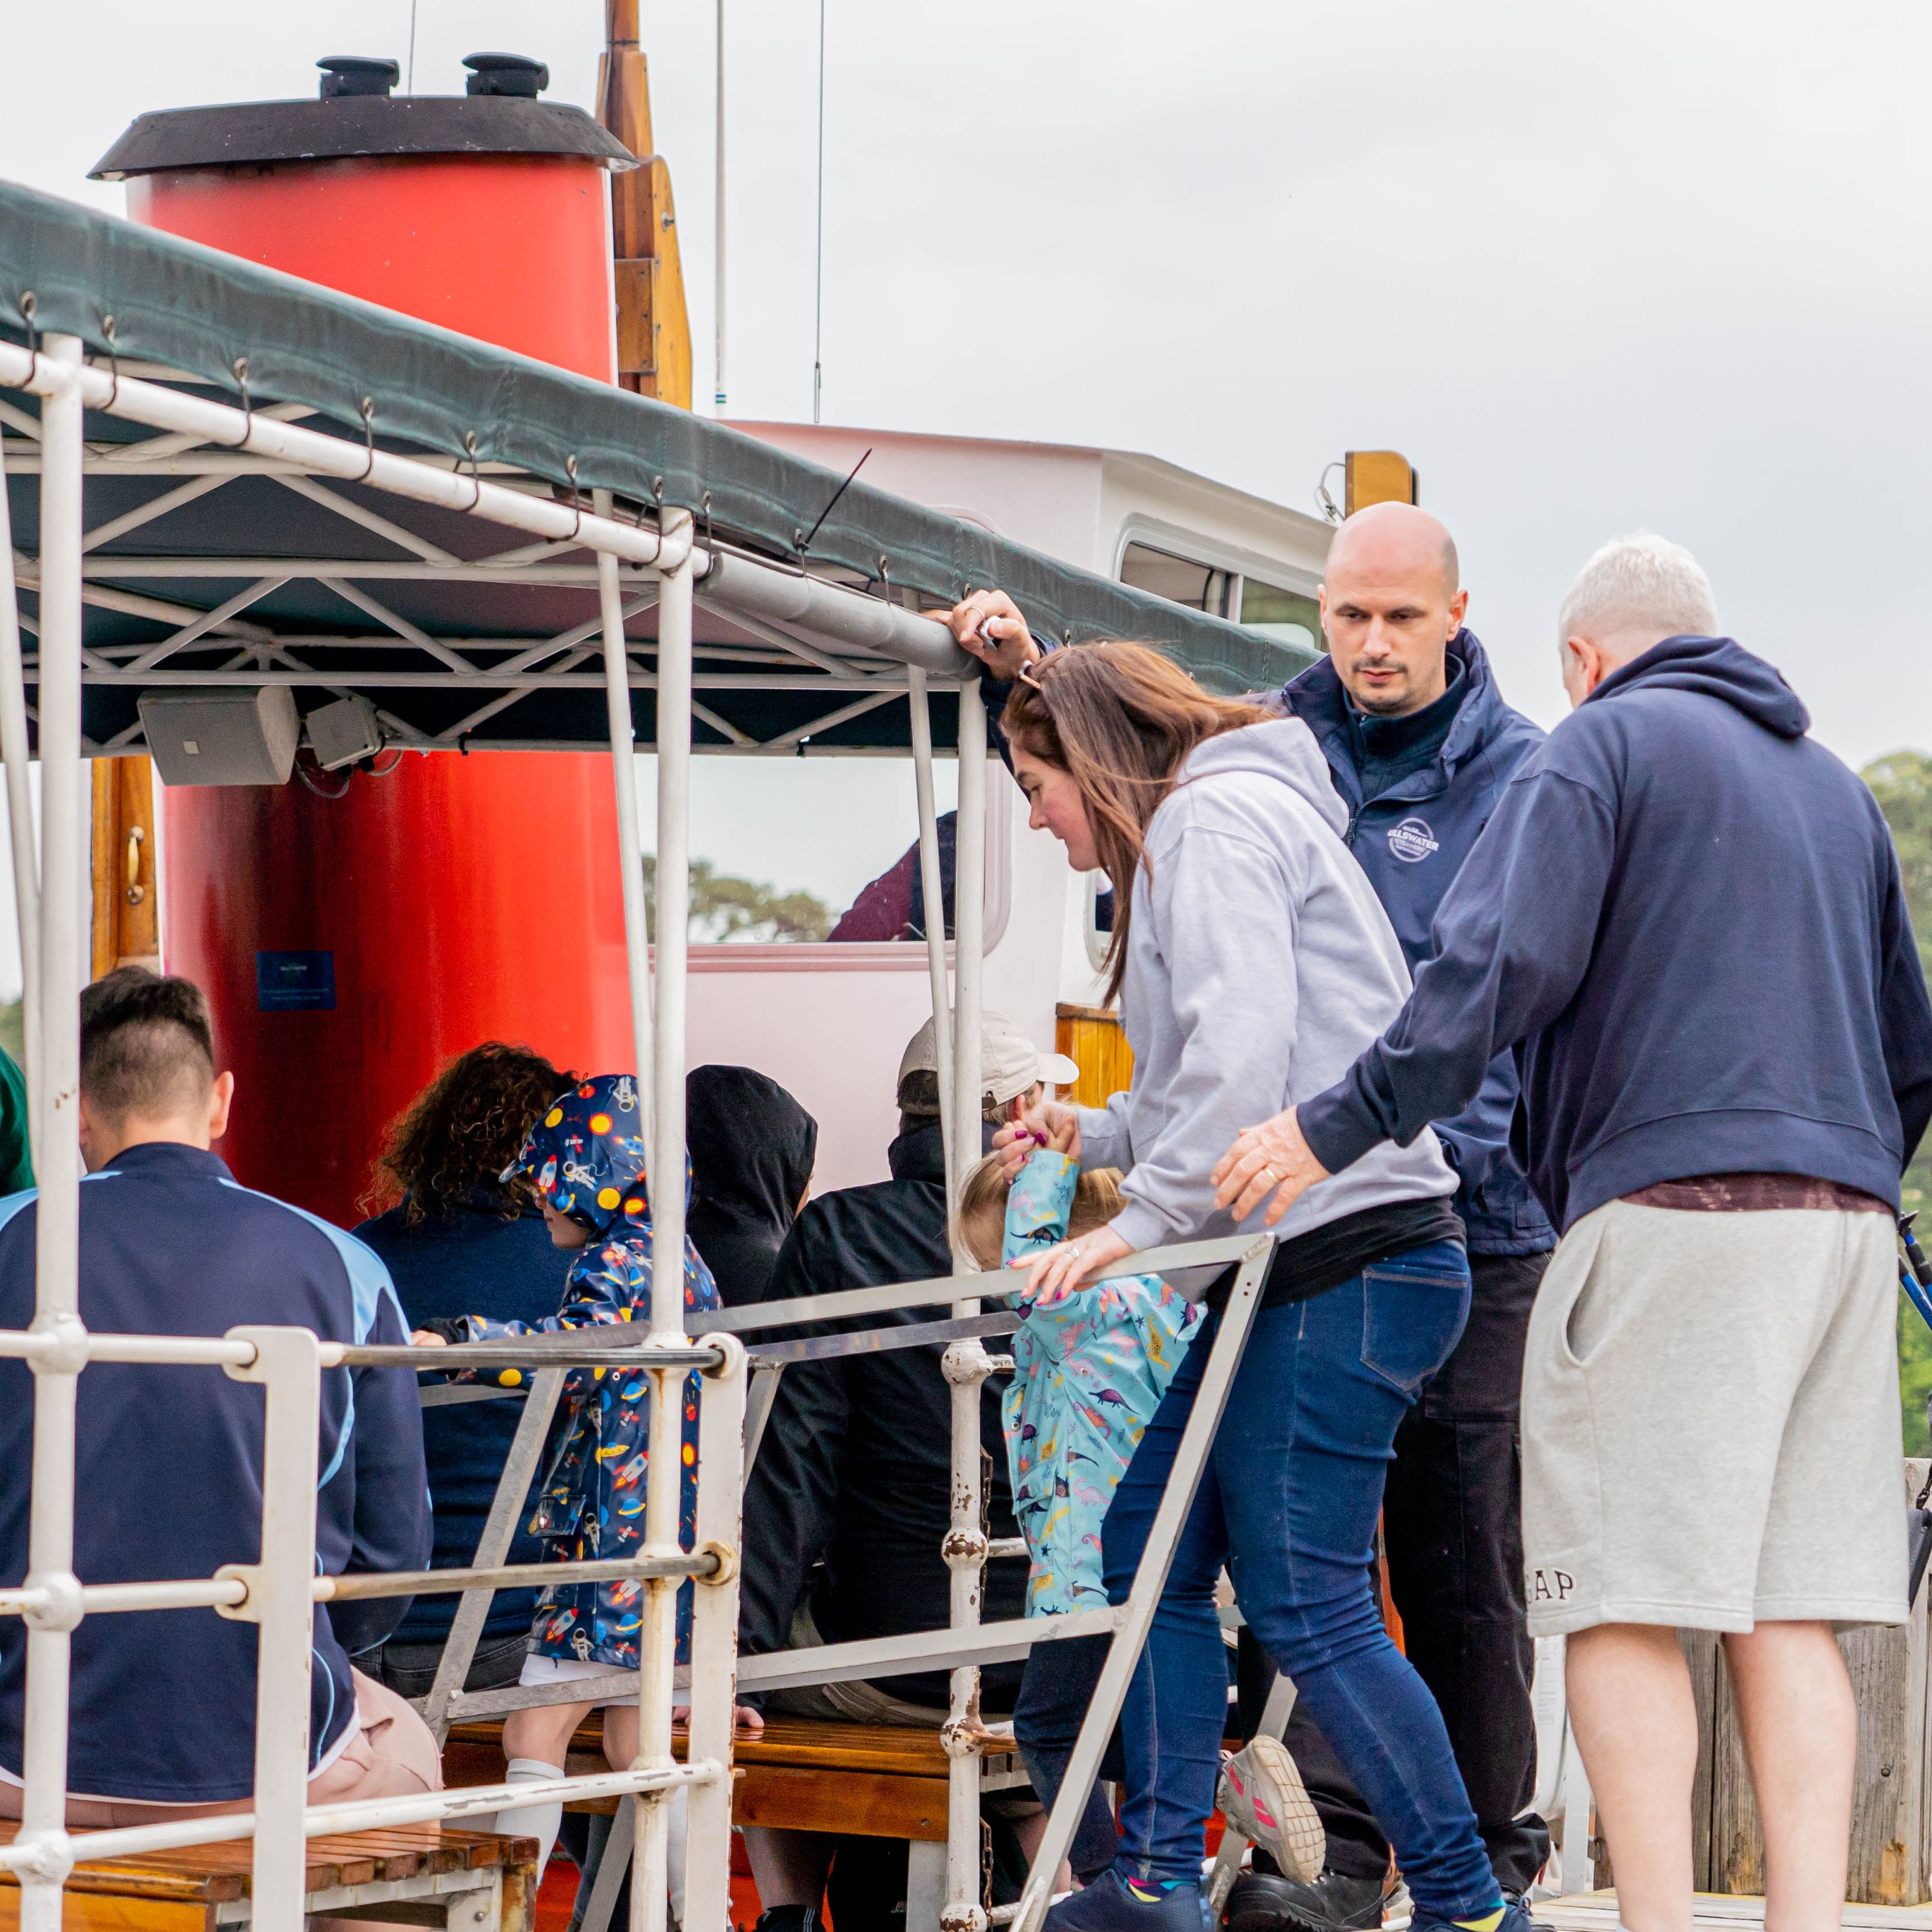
(653, 328)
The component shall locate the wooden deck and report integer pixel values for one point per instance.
(1720, 1912)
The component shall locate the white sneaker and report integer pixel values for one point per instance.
(1263, 1797)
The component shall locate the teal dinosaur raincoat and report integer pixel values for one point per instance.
(1088, 1375)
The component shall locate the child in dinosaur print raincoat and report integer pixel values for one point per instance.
(587, 1157)
(1088, 1372)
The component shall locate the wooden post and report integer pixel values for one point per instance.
(1889, 1852)
(127, 902)
(653, 327)
(1092, 1037)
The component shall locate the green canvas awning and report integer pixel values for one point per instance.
(161, 304)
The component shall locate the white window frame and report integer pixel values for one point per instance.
(883, 956)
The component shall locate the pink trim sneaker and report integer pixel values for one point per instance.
(1263, 1797)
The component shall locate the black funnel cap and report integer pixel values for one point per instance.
(506, 73)
(356, 74)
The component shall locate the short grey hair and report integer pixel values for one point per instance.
(1642, 582)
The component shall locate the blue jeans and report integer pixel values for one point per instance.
(1057, 1686)
(1288, 1501)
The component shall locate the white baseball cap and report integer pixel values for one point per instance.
(1009, 1062)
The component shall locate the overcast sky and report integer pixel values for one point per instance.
(1591, 266)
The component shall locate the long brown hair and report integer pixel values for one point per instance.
(460, 1132)
(1121, 719)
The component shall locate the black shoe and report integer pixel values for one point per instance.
(1264, 1902)
(789, 1918)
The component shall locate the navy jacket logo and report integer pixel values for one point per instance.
(1412, 841)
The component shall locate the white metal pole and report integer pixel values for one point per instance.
(54, 1070)
(280, 1604)
(657, 1630)
(818, 269)
(718, 382)
(967, 1363)
(630, 854)
(931, 883)
(969, 892)
(20, 809)
(714, 1640)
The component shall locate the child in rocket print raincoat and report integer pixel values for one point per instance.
(1089, 1373)
(587, 1157)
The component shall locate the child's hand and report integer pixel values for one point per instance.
(1064, 1138)
(428, 1338)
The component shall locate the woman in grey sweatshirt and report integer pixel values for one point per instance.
(1252, 961)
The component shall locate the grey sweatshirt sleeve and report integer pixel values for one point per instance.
(1224, 910)
(1103, 1135)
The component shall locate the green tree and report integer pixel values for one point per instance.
(723, 908)
(1902, 783)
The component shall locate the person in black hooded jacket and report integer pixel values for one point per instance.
(752, 1147)
(850, 1495)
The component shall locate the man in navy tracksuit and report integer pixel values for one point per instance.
(1421, 746)
(169, 1460)
(1686, 919)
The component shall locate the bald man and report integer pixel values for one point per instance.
(1420, 746)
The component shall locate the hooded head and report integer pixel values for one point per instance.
(752, 1147)
(586, 1155)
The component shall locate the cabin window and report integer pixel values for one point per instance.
(1290, 616)
(791, 852)
(1198, 585)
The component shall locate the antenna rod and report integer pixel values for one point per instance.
(818, 286)
(717, 386)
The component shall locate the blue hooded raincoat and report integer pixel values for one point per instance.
(588, 1161)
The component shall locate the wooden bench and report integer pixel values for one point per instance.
(800, 1774)
(413, 1874)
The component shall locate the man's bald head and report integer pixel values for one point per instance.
(1391, 599)
(1391, 539)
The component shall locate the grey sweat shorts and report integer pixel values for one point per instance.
(1710, 1430)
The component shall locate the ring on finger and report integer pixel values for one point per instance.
(1274, 1179)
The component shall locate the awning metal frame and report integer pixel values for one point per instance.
(818, 634)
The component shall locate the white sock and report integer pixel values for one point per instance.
(540, 1822)
(679, 1809)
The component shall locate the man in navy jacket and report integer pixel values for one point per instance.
(1421, 746)
(169, 1460)
(1687, 921)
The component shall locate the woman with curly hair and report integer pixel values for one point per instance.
(459, 1241)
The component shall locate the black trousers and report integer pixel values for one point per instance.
(1453, 1528)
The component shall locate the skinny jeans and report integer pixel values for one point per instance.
(1288, 1501)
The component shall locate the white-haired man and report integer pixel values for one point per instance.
(1687, 919)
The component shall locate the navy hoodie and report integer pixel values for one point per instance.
(1411, 839)
(1687, 919)
(168, 1468)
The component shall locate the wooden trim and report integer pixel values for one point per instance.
(127, 898)
(1092, 1038)
(861, 1804)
